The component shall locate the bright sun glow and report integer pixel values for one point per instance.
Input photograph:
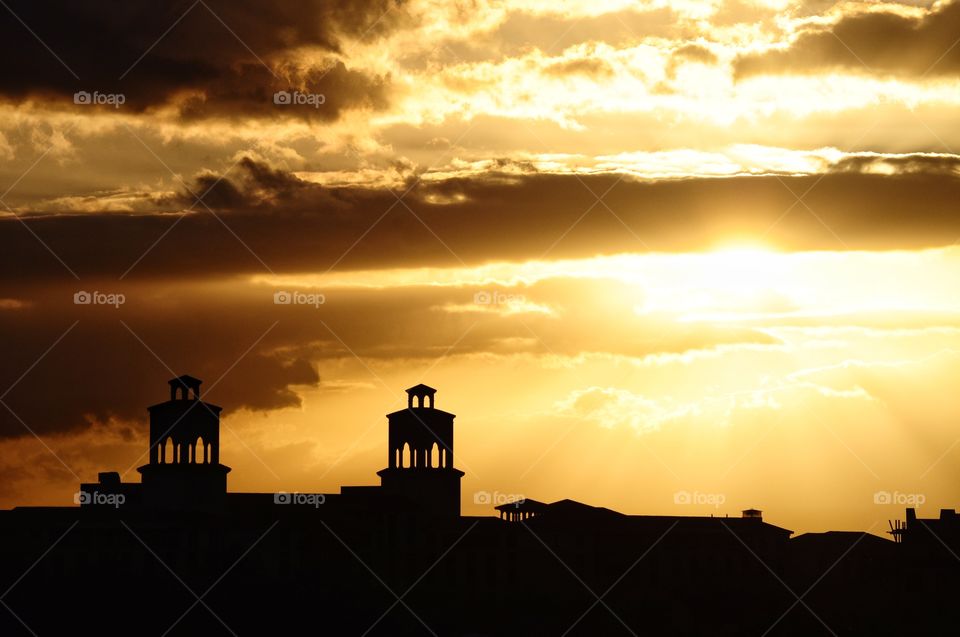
(742, 258)
(734, 282)
(742, 270)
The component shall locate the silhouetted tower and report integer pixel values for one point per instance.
(420, 464)
(184, 471)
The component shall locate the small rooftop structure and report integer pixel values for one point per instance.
(521, 509)
(754, 514)
(185, 385)
(421, 392)
(111, 478)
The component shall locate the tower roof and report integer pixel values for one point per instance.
(183, 385)
(185, 380)
(421, 390)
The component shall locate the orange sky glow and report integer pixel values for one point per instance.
(663, 257)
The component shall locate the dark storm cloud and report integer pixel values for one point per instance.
(101, 370)
(197, 325)
(234, 53)
(271, 217)
(875, 42)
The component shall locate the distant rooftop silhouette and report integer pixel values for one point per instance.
(529, 570)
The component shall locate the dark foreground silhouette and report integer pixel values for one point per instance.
(177, 554)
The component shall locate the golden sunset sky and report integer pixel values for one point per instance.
(642, 249)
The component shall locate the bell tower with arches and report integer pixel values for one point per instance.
(184, 470)
(420, 455)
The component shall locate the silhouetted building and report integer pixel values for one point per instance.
(184, 469)
(420, 455)
(521, 509)
(399, 559)
(931, 548)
